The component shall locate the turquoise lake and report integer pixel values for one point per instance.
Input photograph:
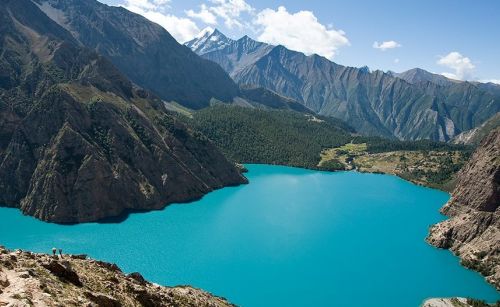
(292, 237)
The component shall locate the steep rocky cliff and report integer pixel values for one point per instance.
(374, 103)
(473, 230)
(79, 142)
(29, 279)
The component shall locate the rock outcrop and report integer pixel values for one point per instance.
(473, 230)
(79, 141)
(29, 279)
(456, 302)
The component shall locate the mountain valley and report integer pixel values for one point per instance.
(108, 124)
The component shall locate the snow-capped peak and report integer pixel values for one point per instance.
(208, 40)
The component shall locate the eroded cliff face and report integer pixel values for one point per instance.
(29, 279)
(473, 230)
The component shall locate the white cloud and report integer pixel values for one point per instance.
(182, 29)
(396, 61)
(450, 75)
(462, 66)
(204, 15)
(496, 81)
(154, 5)
(386, 45)
(230, 11)
(300, 31)
(161, 2)
(205, 31)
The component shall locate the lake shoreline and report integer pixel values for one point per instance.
(168, 241)
(126, 212)
(321, 169)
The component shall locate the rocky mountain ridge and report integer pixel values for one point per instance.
(144, 51)
(418, 75)
(80, 142)
(34, 279)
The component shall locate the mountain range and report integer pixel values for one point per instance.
(84, 129)
(412, 105)
(144, 51)
(85, 133)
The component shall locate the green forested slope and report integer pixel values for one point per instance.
(286, 137)
(275, 137)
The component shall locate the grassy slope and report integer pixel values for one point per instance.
(425, 167)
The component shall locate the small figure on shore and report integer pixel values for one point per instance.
(54, 250)
(60, 252)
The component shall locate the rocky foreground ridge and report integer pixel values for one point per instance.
(457, 302)
(473, 230)
(30, 279)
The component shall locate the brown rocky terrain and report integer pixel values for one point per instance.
(29, 279)
(457, 302)
(473, 230)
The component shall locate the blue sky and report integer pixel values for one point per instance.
(460, 38)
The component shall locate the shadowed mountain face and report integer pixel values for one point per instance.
(262, 98)
(374, 103)
(78, 141)
(146, 53)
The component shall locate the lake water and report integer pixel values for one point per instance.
(292, 237)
